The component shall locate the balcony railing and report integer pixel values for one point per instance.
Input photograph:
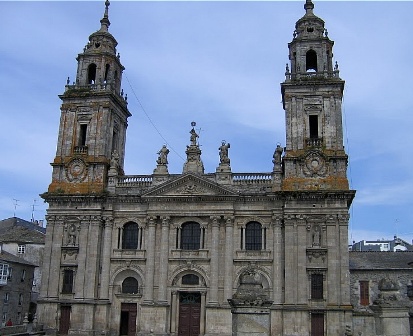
(135, 181)
(80, 150)
(314, 142)
(312, 75)
(252, 178)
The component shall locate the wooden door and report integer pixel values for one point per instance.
(189, 314)
(128, 319)
(317, 324)
(64, 322)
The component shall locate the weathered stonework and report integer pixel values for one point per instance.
(161, 254)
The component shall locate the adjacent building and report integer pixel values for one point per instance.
(381, 286)
(16, 278)
(384, 245)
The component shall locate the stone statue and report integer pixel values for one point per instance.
(71, 235)
(223, 152)
(277, 155)
(114, 161)
(193, 137)
(163, 156)
(316, 236)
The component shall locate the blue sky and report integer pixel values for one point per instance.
(219, 64)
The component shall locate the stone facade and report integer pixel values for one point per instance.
(161, 254)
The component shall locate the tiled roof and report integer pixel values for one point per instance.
(373, 260)
(20, 231)
(15, 221)
(8, 257)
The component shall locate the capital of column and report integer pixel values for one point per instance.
(229, 220)
(276, 221)
(151, 220)
(165, 220)
(215, 220)
(108, 221)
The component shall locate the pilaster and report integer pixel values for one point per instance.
(229, 250)
(150, 261)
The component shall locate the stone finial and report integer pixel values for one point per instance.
(105, 23)
(308, 6)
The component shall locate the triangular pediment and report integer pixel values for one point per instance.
(190, 185)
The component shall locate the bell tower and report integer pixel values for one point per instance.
(312, 94)
(93, 118)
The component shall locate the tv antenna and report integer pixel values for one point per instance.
(15, 206)
(33, 205)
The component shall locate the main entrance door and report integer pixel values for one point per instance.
(189, 314)
(128, 319)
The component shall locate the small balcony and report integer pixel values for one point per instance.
(314, 142)
(80, 150)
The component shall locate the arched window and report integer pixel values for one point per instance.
(130, 286)
(311, 61)
(91, 74)
(190, 279)
(130, 236)
(107, 72)
(253, 236)
(190, 236)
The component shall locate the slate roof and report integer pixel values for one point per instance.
(20, 231)
(8, 257)
(374, 260)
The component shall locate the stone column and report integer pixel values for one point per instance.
(213, 295)
(173, 312)
(229, 250)
(290, 253)
(150, 261)
(81, 258)
(48, 258)
(93, 248)
(55, 256)
(107, 248)
(201, 238)
(202, 317)
(278, 262)
(163, 262)
(344, 257)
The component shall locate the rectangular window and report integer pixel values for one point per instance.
(4, 268)
(82, 135)
(313, 123)
(364, 293)
(21, 249)
(6, 297)
(23, 277)
(20, 299)
(316, 286)
(317, 324)
(67, 287)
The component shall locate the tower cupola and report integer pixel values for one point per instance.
(311, 49)
(99, 63)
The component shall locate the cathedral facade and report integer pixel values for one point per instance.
(164, 254)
